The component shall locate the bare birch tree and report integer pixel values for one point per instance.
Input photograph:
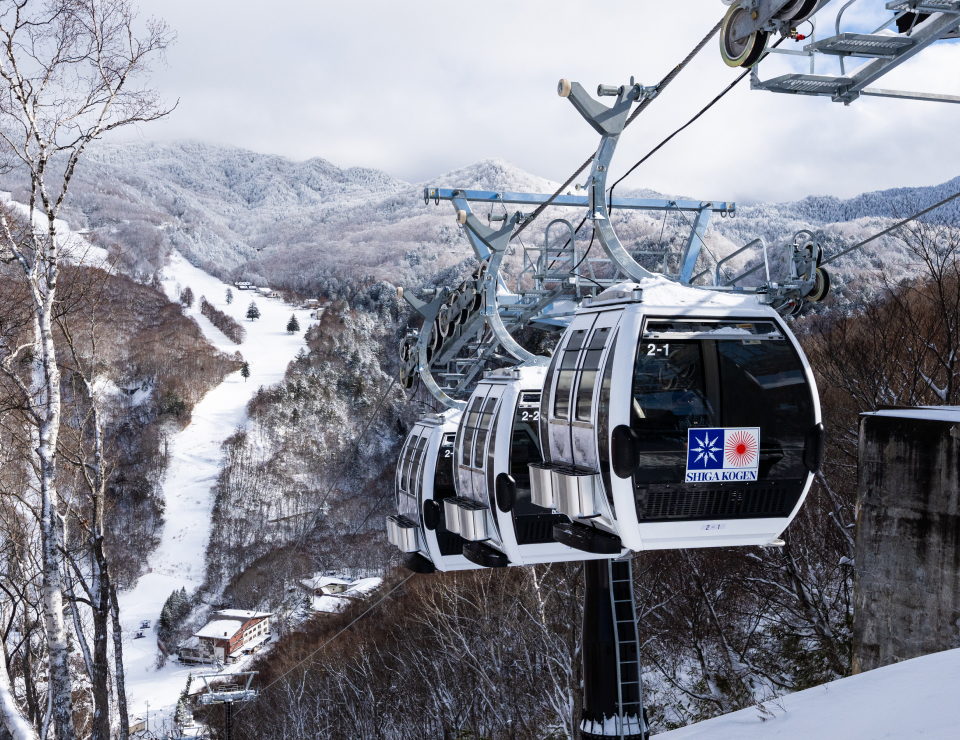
(70, 71)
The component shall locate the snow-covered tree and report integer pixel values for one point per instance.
(245, 371)
(293, 326)
(229, 296)
(181, 717)
(68, 75)
(253, 313)
(186, 297)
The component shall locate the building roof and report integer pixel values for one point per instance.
(319, 581)
(932, 413)
(241, 614)
(222, 628)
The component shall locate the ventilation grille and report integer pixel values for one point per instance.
(725, 503)
(532, 530)
(449, 543)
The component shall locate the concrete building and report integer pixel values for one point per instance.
(227, 635)
(907, 589)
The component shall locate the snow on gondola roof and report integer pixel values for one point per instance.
(658, 291)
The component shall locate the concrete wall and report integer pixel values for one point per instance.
(907, 590)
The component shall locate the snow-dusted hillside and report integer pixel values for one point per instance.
(912, 699)
(194, 462)
(307, 225)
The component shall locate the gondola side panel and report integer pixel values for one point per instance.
(621, 400)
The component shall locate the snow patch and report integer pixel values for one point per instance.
(912, 699)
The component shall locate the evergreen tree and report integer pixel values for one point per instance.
(245, 371)
(181, 716)
(293, 326)
(186, 297)
(229, 296)
(253, 313)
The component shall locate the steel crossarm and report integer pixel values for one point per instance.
(576, 201)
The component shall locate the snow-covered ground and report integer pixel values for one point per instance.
(75, 246)
(913, 699)
(194, 461)
(333, 603)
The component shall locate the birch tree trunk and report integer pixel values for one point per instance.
(68, 70)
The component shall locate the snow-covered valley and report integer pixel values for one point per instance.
(194, 460)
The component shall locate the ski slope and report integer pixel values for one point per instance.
(913, 699)
(194, 462)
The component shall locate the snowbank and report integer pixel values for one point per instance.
(913, 699)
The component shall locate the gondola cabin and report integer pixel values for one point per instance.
(497, 442)
(425, 477)
(674, 417)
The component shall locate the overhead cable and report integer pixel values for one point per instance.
(640, 108)
(703, 110)
(896, 226)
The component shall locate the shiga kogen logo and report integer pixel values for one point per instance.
(722, 455)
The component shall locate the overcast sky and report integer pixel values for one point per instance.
(421, 88)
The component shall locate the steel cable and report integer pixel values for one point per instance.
(671, 75)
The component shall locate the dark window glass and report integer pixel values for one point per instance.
(687, 384)
(764, 386)
(469, 428)
(599, 338)
(416, 472)
(588, 379)
(545, 400)
(443, 476)
(525, 449)
(483, 427)
(561, 406)
(405, 464)
(576, 341)
(569, 359)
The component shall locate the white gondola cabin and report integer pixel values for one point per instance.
(674, 417)
(425, 477)
(498, 515)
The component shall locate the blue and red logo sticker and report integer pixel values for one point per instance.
(718, 455)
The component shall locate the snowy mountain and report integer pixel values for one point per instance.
(312, 226)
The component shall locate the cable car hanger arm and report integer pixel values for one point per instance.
(574, 201)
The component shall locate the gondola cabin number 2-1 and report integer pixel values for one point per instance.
(654, 350)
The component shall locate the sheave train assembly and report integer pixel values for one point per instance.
(677, 410)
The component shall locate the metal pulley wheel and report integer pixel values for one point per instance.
(450, 315)
(797, 10)
(743, 52)
(821, 285)
(472, 300)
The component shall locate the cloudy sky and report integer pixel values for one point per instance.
(421, 88)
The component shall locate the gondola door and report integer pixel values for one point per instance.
(559, 412)
(472, 445)
(583, 406)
